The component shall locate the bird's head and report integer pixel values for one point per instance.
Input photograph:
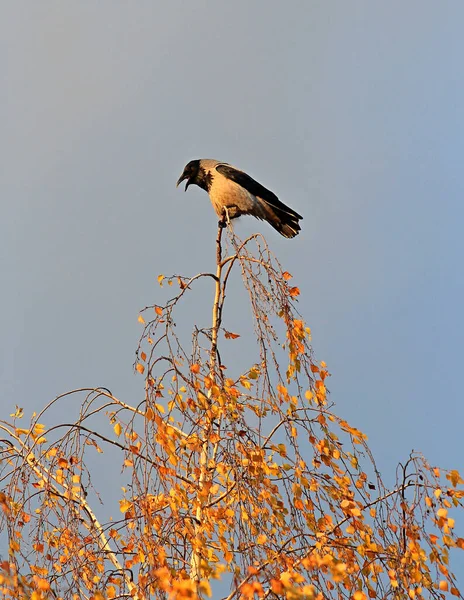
(191, 173)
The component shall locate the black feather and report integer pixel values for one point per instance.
(255, 188)
(204, 179)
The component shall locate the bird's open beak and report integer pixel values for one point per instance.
(181, 178)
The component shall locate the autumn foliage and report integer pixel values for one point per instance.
(239, 482)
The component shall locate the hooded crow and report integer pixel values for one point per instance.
(234, 193)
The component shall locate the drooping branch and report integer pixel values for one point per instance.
(226, 467)
(61, 489)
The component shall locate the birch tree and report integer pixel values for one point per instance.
(243, 482)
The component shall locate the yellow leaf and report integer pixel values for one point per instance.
(141, 320)
(358, 595)
(117, 429)
(140, 368)
(442, 512)
(18, 414)
(261, 539)
(204, 587)
(160, 280)
(246, 384)
(286, 578)
(124, 505)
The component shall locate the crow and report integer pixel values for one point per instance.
(234, 193)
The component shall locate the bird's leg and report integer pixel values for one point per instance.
(224, 220)
(229, 213)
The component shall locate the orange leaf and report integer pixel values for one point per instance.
(277, 586)
(286, 275)
(140, 368)
(42, 584)
(231, 336)
(454, 477)
(195, 368)
(443, 585)
(294, 292)
(158, 310)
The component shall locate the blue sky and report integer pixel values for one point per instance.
(352, 112)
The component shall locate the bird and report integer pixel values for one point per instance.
(234, 193)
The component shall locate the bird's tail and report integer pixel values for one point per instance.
(284, 220)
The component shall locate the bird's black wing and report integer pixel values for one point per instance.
(255, 188)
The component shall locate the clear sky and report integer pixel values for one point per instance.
(352, 112)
